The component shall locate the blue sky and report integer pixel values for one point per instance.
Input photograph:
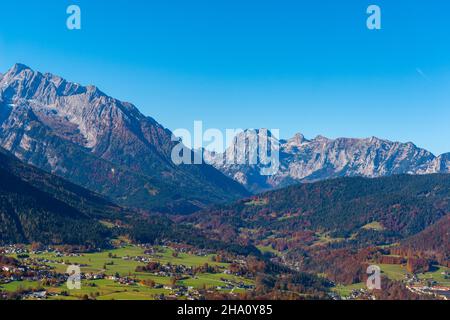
(300, 66)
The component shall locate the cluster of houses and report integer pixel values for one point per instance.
(440, 292)
(29, 270)
(20, 250)
(34, 265)
(428, 286)
(354, 295)
(177, 247)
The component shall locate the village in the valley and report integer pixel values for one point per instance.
(128, 272)
(148, 272)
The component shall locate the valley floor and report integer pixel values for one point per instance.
(113, 274)
(178, 273)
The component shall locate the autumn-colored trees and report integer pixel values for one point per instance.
(417, 265)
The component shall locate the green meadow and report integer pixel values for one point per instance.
(345, 291)
(398, 273)
(111, 263)
(394, 271)
(437, 275)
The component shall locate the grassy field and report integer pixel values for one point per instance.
(325, 238)
(394, 271)
(211, 280)
(345, 291)
(397, 272)
(265, 249)
(108, 289)
(374, 226)
(96, 262)
(257, 202)
(437, 276)
(111, 263)
(19, 285)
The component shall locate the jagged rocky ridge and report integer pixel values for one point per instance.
(102, 144)
(303, 160)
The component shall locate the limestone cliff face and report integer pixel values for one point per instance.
(303, 160)
(101, 143)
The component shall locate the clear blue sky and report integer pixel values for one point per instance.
(300, 66)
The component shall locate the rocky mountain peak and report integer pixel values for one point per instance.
(442, 163)
(297, 141)
(99, 142)
(303, 160)
(18, 68)
(321, 138)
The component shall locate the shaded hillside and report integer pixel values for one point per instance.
(36, 206)
(74, 195)
(432, 243)
(39, 207)
(337, 228)
(389, 208)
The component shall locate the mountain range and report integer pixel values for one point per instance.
(109, 147)
(103, 144)
(81, 169)
(303, 160)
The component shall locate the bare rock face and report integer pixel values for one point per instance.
(101, 143)
(303, 160)
(441, 164)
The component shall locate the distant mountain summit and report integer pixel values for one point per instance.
(303, 160)
(101, 143)
(108, 146)
(441, 163)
